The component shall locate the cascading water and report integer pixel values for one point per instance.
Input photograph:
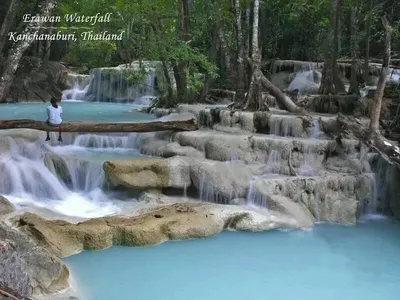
(77, 93)
(27, 181)
(207, 193)
(254, 198)
(275, 163)
(106, 141)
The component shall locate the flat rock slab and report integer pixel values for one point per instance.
(170, 222)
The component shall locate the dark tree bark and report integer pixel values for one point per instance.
(240, 76)
(387, 149)
(45, 8)
(187, 125)
(329, 72)
(7, 22)
(225, 52)
(163, 56)
(258, 80)
(254, 92)
(181, 67)
(354, 16)
(367, 45)
(212, 57)
(377, 103)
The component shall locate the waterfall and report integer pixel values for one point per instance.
(254, 198)
(316, 132)
(26, 181)
(281, 125)
(275, 163)
(310, 164)
(305, 82)
(77, 93)
(208, 193)
(22, 176)
(114, 84)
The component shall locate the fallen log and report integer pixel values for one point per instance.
(186, 125)
(389, 150)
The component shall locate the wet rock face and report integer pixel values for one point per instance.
(13, 270)
(35, 83)
(44, 273)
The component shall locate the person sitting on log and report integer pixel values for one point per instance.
(54, 113)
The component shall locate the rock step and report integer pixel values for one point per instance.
(334, 194)
(250, 148)
(275, 122)
(331, 197)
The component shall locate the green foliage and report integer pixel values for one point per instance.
(91, 54)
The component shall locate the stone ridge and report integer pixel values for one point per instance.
(171, 222)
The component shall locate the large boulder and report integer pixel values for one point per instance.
(143, 173)
(36, 83)
(46, 273)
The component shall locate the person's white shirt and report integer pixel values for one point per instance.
(54, 115)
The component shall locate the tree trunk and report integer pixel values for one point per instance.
(254, 92)
(45, 8)
(354, 88)
(367, 45)
(283, 100)
(377, 103)
(187, 125)
(181, 67)
(329, 72)
(225, 52)
(240, 54)
(212, 57)
(7, 22)
(163, 57)
(258, 80)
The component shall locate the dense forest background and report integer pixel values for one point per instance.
(225, 40)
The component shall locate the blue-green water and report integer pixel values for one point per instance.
(76, 112)
(328, 263)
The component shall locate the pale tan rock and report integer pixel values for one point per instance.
(169, 222)
(6, 207)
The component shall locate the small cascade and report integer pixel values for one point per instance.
(274, 163)
(317, 199)
(208, 193)
(310, 164)
(280, 125)
(77, 93)
(316, 131)
(254, 198)
(106, 141)
(85, 176)
(305, 82)
(372, 206)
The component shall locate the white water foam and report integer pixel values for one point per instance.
(26, 181)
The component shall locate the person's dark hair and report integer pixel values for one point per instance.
(53, 102)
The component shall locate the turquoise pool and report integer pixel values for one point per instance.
(76, 112)
(328, 263)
